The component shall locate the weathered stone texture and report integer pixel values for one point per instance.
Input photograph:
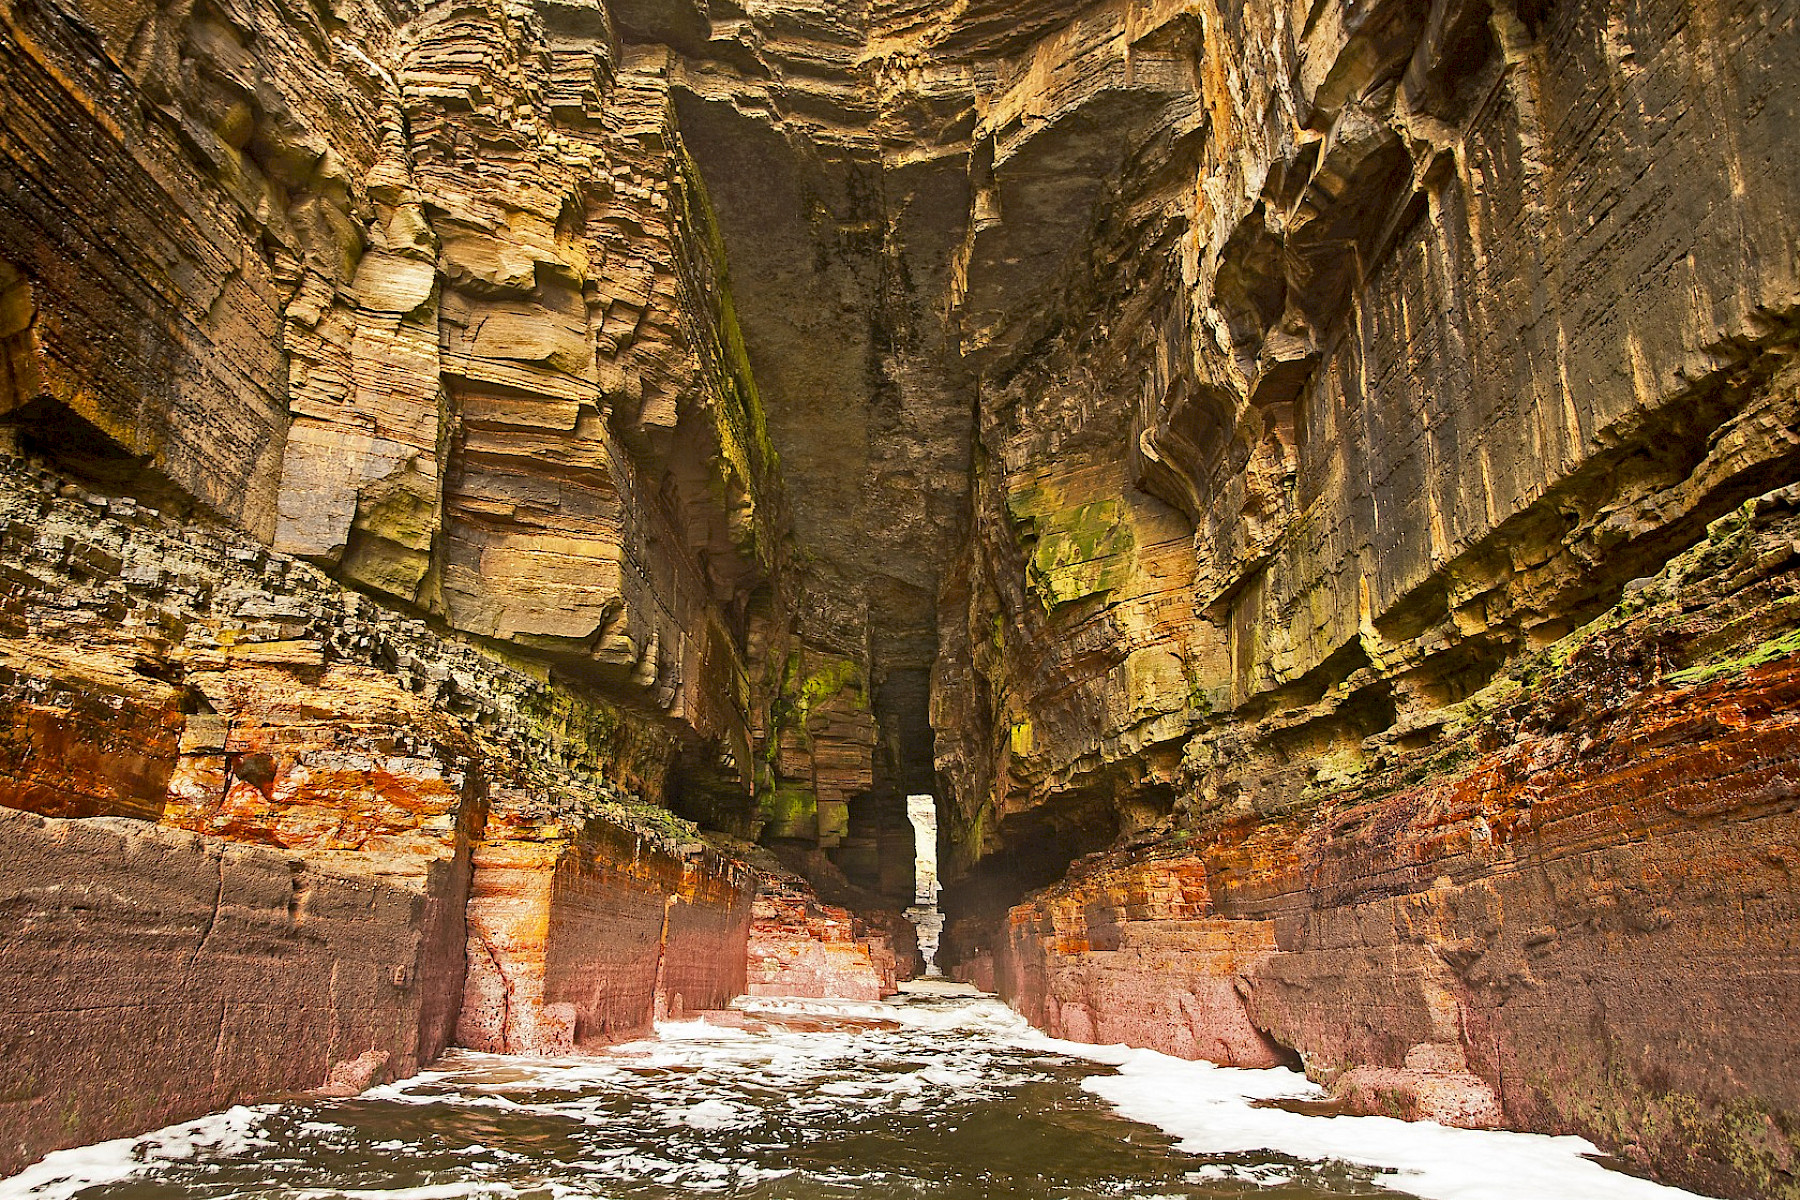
(154, 975)
(1374, 349)
(1450, 338)
(802, 947)
(1562, 915)
(1184, 432)
(87, 735)
(579, 937)
(1137, 955)
(185, 675)
(434, 303)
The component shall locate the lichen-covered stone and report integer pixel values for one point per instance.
(1558, 911)
(1203, 435)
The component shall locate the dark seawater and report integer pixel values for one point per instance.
(939, 1095)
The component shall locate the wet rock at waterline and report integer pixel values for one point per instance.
(938, 1094)
(510, 512)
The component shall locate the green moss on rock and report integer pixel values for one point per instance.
(789, 811)
(1080, 552)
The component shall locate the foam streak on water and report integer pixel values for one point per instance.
(941, 1095)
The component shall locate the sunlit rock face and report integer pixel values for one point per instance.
(802, 947)
(1275, 473)
(921, 811)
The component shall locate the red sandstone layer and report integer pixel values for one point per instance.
(153, 975)
(584, 939)
(800, 946)
(1536, 942)
(335, 775)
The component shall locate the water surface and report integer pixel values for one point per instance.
(939, 1095)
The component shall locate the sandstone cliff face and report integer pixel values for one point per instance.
(1269, 446)
(154, 975)
(296, 804)
(583, 937)
(800, 946)
(1389, 344)
(433, 301)
(1428, 344)
(1526, 923)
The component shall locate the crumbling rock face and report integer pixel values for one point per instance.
(800, 946)
(1136, 955)
(323, 795)
(1393, 344)
(1187, 434)
(437, 306)
(585, 937)
(1383, 507)
(317, 789)
(434, 304)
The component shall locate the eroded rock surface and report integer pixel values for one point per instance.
(292, 797)
(154, 975)
(801, 946)
(1523, 923)
(582, 936)
(1392, 344)
(1261, 465)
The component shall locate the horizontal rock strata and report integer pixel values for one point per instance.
(1274, 472)
(287, 796)
(586, 939)
(154, 975)
(1366, 355)
(1526, 925)
(800, 946)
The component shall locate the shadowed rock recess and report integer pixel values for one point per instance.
(503, 500)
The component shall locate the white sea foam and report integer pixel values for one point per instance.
(715, 1114)
(700, 1030)
(1210, 1110)
(435, 1191)
(62, 1174)
(660, 1112)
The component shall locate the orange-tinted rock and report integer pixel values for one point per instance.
(1135, 955)
(82, 734)
(800, 946)
(328, 768)
(337, 762)
(585, 938)
(1560, 916)
(1167, 420)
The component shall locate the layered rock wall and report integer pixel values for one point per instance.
(583, 939)
(265, 806)
(154, 975)
(800, 946)
(1271, 446)
(1563, 915)
(432, 304)
(1427, 347)
(432, 300)
(1333, 362)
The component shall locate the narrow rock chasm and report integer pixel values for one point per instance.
(512, 511)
